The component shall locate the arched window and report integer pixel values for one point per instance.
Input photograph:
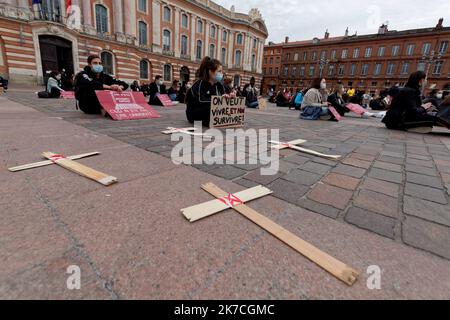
(166, 40)
(253, 61)
(213, 31)
(101, 18)
(167, 72)
(239, 38)
(223, 56)
(199, 26)
(184, 45)
(199, 50)
(237, 80)
(108, 62)
(237, 58)
(184, 21)
(212, 51)
(142, 33)
(224, 36)
(144, 69)
(167, 14)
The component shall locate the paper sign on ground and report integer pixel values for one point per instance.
(67, 95)
(165, 100)
(126, 105)
(227, 112)
(336, 114)
(356, 108)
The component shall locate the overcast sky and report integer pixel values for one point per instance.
(304, 20)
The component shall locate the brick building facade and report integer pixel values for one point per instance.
(366, 62)
(137, 39)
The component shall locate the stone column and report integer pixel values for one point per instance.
(156, 17)
(176, 45)
(207, 32)
(219, 43)
(193, 32)
(260, 55)
(87, 14)
(118, 15)
(130, 17)
(231, 42)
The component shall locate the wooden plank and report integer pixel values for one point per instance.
(207, 209)
(188, 131)
(322, 259)
(83, 170)
(285, 145)
(49, 162)
(308, 151)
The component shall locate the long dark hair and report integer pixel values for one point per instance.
(316, 83)
(54, 74)
(414, 79)
(207, 65)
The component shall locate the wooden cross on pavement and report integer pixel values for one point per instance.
(188, 131)
(294, 146)
(237, 202)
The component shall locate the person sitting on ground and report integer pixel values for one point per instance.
(313, 106)
(135, 86)
(156, 88)
(198, 98)
(174, 90)
(3, 83)
(435, 97)
(351, 92)
(336, 100)
(91, 79)
(407, 110)
(251, 94)
(297, 100)
(54, 85)
(281, 99)
(227, 84)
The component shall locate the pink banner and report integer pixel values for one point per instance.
(335, 113)
(165, 100)
(67, 95)
(126, 105)
(356, 108)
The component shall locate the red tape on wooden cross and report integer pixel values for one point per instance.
(287, 145)
(57, 157)
(231, 200)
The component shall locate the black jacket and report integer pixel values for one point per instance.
(198, 100)
(154, 91)
(406, 110)
(338, 103)
(86, 83)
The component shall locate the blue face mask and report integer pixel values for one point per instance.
(219, 77)
(97, 68)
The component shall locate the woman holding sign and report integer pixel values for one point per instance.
(198, 97)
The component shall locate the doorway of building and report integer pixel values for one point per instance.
(56, 55)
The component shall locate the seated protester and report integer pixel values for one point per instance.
(407, 110)
(227, 84)
(173, 91)
(54, 85)
(351, 92)
(298, 100)
(281, 100)
(145, 88)
(313, 107)
(336, 100)
(198, 98)
(182, 92)
(435, 98)
(135, 86)
(156, 88)
(3, 83)
(89, 80)
(251, 94)
(366, 99)
(379, 103)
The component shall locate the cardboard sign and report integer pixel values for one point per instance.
(336, 115)
(126, 105)
(262, 104)
(67, 95)
(227, 112)
(356, 108)
(165, 100)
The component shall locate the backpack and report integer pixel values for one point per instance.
(43, 95)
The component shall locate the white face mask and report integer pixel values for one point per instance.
(160, 82)
(59, 78)
(323, 86)
(439, 96)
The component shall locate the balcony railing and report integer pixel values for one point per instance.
(185, 56)
(237, 66)
(169, 53)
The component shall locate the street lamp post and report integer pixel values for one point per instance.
(430, 58)
(322, 63)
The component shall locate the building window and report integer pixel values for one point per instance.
(288, 56)
(314, 56)
(239, 39)
(270, 71)
(405, 68)
(323, 55)
(184, 21)
(199, 26)
(167, 72)
(365, 69)
(305, 56)
(302, 71)
(353, 69)
(443, 47)
(333, 55)
(108, 62)
(331, 70)
(254, 43)
(312, 70)
(184, 45)
(426, 48)
(142, 5)
(421, 66)
(224, 36)
(294, 72)
(296, 57)
(344, 54)
(167, 14)
(212, 51)
(277, 71)
(143, 69)
(223, 56)
(271, 60)
(356, 53)
(286, 71)
(395, 50)
(368, 52)
(213, 31)
(237, 80)
(237, 58)
(166, 40)
(438, 67)
(390, 68)
(142, 33)
(410, 49)
(341, 70)
(377, 70)
(101, 17)
(254, 62)
(381, 51)
(199, 50)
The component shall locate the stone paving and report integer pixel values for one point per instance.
(392, 183)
